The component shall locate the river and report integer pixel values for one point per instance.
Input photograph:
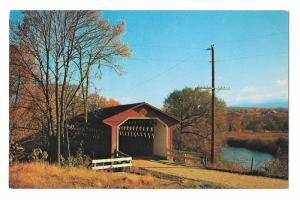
(243, 157)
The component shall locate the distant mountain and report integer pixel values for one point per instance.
(270, 104)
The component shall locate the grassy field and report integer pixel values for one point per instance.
(42, 175)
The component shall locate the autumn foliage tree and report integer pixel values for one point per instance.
(193, 107)
(95, 102)
(61, 51)
(258, 119)
(24, 114)
(108, 102)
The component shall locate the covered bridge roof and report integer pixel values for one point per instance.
(116, 114)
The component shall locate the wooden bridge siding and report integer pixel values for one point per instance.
(170, 142)
(113, 139)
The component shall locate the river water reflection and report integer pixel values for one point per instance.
(243, 157)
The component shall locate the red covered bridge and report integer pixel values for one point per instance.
(137, 129)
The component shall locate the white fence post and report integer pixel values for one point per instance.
(112, 163)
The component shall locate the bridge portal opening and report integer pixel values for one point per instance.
(143, 137)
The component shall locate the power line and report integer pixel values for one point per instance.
(250, 38)
(163, 72)
(221, 60)
(216, 43)
(153, 59)
(247, 57)
(158, 75)
(164, 47)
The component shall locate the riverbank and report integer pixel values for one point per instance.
(246, 158)
(275, 144)
(272, 143)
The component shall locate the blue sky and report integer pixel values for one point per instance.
(251, 52)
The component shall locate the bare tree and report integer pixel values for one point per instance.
(67, 48)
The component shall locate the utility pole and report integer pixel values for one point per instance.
(213, 88)
(212, 143)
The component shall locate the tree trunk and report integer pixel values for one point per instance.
(52, 148)
(68, 140)
(57, 118)
(86, 95)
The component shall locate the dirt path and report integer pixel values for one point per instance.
(222, 179)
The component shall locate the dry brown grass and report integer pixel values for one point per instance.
(233, 167)
(43, 175)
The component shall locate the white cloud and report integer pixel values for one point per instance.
(249, 89)
(255, 97)
(282, 82)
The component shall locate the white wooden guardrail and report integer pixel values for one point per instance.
(111, 163)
